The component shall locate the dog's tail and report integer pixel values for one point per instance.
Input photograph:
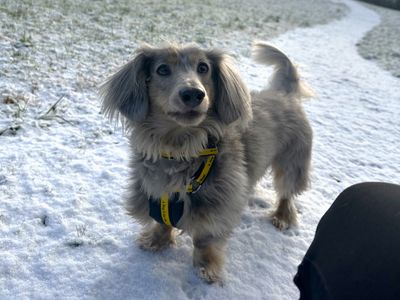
(286, 78)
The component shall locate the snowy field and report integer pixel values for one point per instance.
(63, 230)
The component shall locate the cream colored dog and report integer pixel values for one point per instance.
(178, 102)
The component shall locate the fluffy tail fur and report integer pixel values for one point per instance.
(286, 78)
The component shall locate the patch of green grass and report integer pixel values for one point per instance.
(200, 39)
(17, 13)
(26, 40)
(17, 54)
(151, 27)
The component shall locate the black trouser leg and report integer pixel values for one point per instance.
(356, 250)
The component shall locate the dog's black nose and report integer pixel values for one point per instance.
(192, 97)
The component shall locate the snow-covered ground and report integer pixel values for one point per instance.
(63, 231)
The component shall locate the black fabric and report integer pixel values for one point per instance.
(175, 209)
(356, 250)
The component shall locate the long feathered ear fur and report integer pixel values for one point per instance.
(126, 91)
(233, 99)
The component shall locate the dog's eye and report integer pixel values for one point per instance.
(202, 68)
(163, 70)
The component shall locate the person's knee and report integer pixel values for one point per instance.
(351, 192)
(358, 191)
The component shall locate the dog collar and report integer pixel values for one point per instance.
(169, 209)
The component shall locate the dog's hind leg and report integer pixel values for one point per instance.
(291, 177)
(285, 214)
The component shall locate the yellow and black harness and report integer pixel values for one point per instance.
(168, 209)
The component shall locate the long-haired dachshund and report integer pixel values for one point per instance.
(200, 142)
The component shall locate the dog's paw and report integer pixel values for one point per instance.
(210, 275)
(151, 241)
(280, 224)
(148, 243)
(285, 215)
(209, 270)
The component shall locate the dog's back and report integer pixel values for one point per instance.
(280, 135)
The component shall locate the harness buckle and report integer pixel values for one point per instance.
(194, 186)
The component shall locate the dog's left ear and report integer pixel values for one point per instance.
(233, 99)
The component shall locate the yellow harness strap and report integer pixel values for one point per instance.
(195, 183)
(209, 151)
(199, 180)
(164, 209)
(204, 152)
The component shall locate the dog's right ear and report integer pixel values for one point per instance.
(126, 91)
(233, 98)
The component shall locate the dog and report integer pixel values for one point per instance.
(200, 141)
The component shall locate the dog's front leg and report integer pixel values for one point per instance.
(155, 237)
(208, 257)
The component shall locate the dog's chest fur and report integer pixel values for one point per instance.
(167, 175)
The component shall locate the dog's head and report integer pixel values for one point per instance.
(184, 84)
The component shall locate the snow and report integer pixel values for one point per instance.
(63, 229)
